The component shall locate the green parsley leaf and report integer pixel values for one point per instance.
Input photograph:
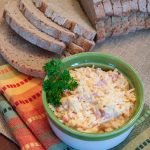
(59, 80)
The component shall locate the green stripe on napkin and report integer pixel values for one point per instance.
(139, 135)
(139, 139)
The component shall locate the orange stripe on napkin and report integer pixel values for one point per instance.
(24, 94)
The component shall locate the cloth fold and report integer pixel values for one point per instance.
(25, 116)
(22, 134)
(24, 94)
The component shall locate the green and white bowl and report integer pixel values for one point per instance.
(88, 141)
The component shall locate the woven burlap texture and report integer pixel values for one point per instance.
(134, 48)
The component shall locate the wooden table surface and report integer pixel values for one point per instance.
(6, 144)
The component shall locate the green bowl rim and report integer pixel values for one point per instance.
(94, 136)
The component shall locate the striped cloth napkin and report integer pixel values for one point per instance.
(25, 116)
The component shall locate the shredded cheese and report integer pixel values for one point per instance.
(102, 98)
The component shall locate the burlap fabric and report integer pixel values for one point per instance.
(134, 48)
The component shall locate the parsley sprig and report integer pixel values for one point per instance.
(58, 80)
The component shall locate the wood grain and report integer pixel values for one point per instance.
(6, 144)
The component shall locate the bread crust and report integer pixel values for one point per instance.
(87, 45)
(108, 8)
(134, 5)
(126, 7)
(39, 20)
(142, 6)
(148, 6)
(132, 22)
(101, 35)
(75, 27)
(117, 29)
(117, 8)
(99, 11)
(141, 20)
(22, 55)
(21, 26)
(74, 49)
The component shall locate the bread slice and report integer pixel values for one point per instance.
(132, 22)
(74, 49)
(96, 14)
(94, 10)
(87, 45)
(99, 10)
(100, 27)
(96, 1)
(141, 17)
(25, 29)
(148, 6)
(39, 20)
(108, 8)
(68, 14)
(142, 5)
(125, 24)
(117, 8)
(88, 8)
(108, 26)
(112, 27)
(134, 5)
(117, 29)
(22, 55)
(147, 22)
(126, 7)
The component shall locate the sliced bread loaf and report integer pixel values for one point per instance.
(68, 14)
(99, 10)
(142, 5)
(134, 5)
(141, 18)
(117, 8)
(126, 7)
(39, 20)
(148, 6)
(22, 55)
(116, 26)
(25, 29)
(101, 33)
(74, 49)
(94, 10)
(108, 7)
(87, 45)
(132, 22)
(125, 24)
(108, 27)
(147, 23)
(88, 8)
